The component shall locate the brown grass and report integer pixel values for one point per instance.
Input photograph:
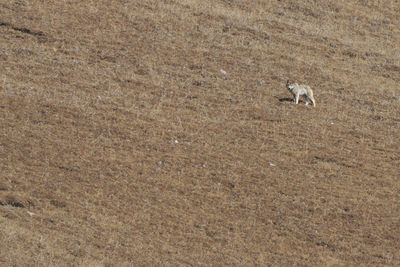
(122, 143)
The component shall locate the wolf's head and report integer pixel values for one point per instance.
(289, 85)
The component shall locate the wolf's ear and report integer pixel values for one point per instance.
(287, 82)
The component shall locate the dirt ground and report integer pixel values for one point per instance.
(149, 133)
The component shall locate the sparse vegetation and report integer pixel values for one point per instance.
(123, 143)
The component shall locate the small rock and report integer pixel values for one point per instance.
(30, 213)
(223, 72)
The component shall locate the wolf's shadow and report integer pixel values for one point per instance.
(286, 99)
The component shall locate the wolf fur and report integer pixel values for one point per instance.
(298, 90)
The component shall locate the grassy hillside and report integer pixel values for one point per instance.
(161, 133)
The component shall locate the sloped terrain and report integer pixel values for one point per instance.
(161, 133)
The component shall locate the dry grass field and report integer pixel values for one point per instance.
(149, 133)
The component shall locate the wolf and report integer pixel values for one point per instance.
(298, 90)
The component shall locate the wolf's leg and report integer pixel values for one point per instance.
(312, 100)
(311, 97)
(294, 98)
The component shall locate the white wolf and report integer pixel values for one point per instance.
(298, 90)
